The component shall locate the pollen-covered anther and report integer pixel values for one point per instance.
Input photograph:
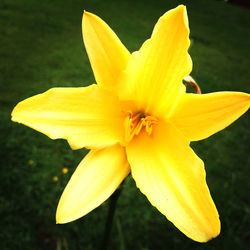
(134, 123)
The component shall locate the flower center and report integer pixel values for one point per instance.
(134, 123)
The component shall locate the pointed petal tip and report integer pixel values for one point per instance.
(183, 12)
(15, 113)
(58, 221)
(12, 116)
(86, 13)
(180, 12)
(62, 218)
(57, 217)
(64, 215)
(212, 234)
(181, 7)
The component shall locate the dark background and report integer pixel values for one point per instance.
(41, 47)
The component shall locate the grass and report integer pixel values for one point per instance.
(41, 47)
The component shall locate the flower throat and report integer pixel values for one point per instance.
(134, 123)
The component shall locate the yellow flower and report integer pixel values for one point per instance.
(30, 162)
(137, 118)
(55, 179)
(65, 170)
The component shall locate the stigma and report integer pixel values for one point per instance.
(135, 123)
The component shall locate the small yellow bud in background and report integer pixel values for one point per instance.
(55, 178)
(30, 162)
(65, 170)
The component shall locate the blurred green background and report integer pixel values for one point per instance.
(41, 47)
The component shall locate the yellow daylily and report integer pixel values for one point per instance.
(138, 118)
(65, 170)
(55, 179)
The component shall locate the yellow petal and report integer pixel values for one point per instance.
(199, 116)
(107, 55)
(86, 117)
(156, 71)
(172, 177)
(95, 179)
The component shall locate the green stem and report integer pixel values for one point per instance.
(112, 206)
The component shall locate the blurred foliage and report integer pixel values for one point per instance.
(41, 47)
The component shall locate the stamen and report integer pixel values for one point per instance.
(134, 123)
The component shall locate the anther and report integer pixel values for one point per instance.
(134, 123)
